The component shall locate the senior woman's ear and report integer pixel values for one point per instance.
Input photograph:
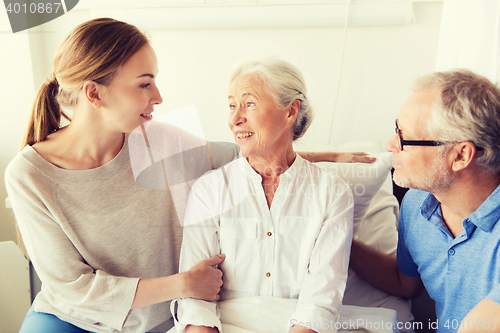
(293, 112)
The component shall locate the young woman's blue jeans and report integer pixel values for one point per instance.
(39, 322)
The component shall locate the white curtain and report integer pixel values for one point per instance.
(469, 37)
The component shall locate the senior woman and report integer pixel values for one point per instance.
(284, 224)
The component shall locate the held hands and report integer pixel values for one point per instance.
(203, 281)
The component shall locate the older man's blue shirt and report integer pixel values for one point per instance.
(457, 272)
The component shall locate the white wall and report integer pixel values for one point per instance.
(16, 94)
(379, 64)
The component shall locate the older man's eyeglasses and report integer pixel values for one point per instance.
(429, 143)
(403, 143)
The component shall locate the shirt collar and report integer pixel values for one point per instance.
(484, 217)
(429, 206)
(289, 174)
(488, 213)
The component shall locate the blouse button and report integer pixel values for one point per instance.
(269, 233)
(268, 274)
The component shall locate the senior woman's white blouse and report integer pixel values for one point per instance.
(299, 248)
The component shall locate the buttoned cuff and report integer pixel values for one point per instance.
(315, 318)
(197, 312)
(494, 294)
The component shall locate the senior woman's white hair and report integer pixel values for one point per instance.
(285, 83)
(467, 109)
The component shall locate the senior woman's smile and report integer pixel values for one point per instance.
(243, 135)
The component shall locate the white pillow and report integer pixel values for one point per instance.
(379, 230)
(380, 224)
(364, 179)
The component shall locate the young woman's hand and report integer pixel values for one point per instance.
(203, 280)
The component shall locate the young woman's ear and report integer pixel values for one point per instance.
(91, 93)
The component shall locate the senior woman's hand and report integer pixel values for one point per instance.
(329, 156)
(201, 329)
(301, 329)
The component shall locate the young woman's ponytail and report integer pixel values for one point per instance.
(46, 113)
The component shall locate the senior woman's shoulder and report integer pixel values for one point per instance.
(322, 174)
(229, 175)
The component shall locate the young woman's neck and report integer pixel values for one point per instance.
(86, 143)
(90, 135)
(92, 141)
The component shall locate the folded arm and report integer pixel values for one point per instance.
(484, 317)
(72, 284)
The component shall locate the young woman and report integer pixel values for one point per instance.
(105, 249)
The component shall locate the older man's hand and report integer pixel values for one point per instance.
(357, 157)
(329, 156)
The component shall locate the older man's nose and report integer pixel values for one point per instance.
(392, 144)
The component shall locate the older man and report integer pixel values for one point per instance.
(447, 150)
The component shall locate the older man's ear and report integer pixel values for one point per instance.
(462, 155)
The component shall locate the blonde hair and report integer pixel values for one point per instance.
(93, 51)
(285, 83)
(467, 109)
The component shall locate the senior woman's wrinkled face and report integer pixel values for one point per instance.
(258, 125)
